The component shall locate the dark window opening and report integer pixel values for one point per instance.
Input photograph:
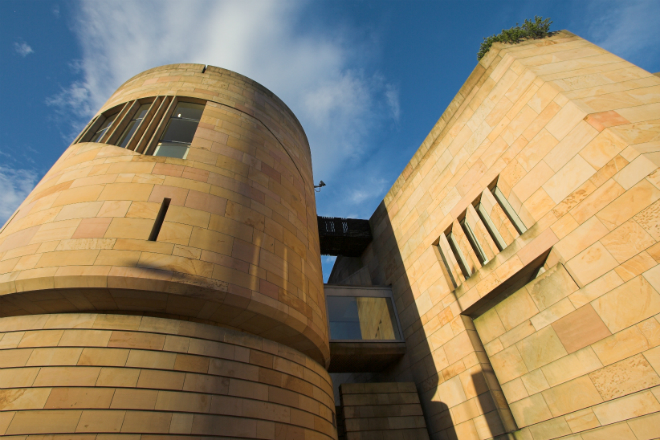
(133, 125)
(103, 128)
(160, 218)
(180, 130)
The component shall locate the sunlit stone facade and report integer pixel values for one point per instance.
(541, 322)
(152, 295)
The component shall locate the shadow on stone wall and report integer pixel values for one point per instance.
(418, 365)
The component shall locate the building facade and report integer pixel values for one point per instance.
(164, 276)
(521, 244)
(163, 280)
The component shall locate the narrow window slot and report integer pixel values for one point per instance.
(490, 227)
(448, 266)
(159, 220)
(86, 131)
(509, 211)
(460, 258)
(474, 243)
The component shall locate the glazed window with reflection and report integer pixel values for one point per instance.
(361, 318)
(180, 130)
(103, 128)
(133, 125)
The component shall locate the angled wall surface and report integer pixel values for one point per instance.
(225, 237)
(550, 327)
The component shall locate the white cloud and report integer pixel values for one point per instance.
(317, 71)
(23, 49)
(15, 185)
(373, 188)
(629, 29)
(392, 96)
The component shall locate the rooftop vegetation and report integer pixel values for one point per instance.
(530, 29)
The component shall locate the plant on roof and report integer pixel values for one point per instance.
(534, 29)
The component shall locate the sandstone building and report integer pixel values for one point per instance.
(163, 280)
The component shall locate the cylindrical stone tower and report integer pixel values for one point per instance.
(164, 277)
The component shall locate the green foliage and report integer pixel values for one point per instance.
(537, 28)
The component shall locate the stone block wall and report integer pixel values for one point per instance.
(87, 376)
(382, 411)
(570, 135)
(239, 244)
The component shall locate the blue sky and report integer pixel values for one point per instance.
(367, 79)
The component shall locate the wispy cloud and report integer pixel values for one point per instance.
(318, 71)
(15, 185)
(23, 49)
(629, 29)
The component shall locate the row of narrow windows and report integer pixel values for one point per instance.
(160, 126)
(485, 228)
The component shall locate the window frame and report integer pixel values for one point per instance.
(366, 292)
(147, 136)
(165, 119)
(449, 249)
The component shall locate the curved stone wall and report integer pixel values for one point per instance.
(141, 377)
(239, 244)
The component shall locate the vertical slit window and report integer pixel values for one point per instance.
(490, 227)
(180, 130)
(509, 211)
(453, 271)
(474, 243)
(160, 218)
(133, 125)
(85, 132)
(460, 258)
(103, 128)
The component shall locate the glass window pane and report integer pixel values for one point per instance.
(104, 127)
(97, 136)
(188, 110)
(171, 150)
(126, 135)
(133, 125)
(362, 318)
(180, 130)
(343, 317)
(377, 318)
(142, 111)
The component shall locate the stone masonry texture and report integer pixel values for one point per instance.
(382, 411)
(549, 329)
(217, 329)
(86, 376)
(238, 247)
(570, 135)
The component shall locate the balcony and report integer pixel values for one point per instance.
(365, 334)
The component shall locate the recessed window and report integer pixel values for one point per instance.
(103, 128)
(180, 131)
(487, 226)
(133, 125)
(158, 126)
(362, 318)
